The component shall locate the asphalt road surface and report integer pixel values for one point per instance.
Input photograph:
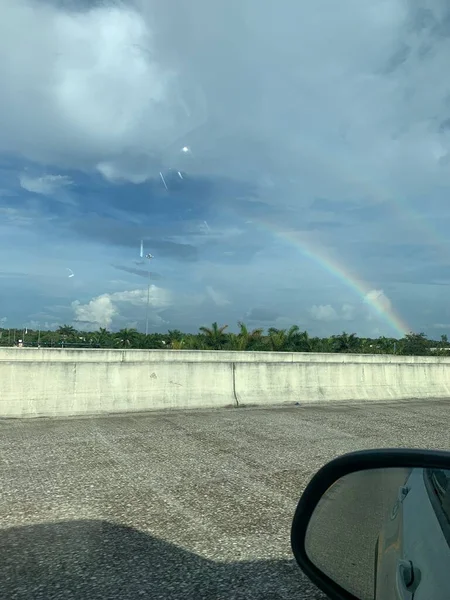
(177, 505)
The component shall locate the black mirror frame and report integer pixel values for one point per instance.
(327, 476)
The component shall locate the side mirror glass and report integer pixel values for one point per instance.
(378, 533)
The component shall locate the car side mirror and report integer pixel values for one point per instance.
(375, 525)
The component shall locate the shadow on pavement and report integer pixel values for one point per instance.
(100, 560)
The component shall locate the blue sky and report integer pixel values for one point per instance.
(215, 132)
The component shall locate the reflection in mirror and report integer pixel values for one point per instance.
(385, 533)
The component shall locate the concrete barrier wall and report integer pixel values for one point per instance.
(68, 388)
(344, 381)
(109, 381)
(115, 355)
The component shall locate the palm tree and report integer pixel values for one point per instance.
(317, 344)
(384, 345)
(277, 339)
(345, 342)
(175, 334)
(67, 331)
(125, 338)
(415, 344)
(214, 335)
(303, 342)
(150, 341)
(442, 346)
(178, 344)
(196, 342)
(244, 339)
(366, 346)
(293, 337)
(102, 337)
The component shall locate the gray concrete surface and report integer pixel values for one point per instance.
(178, 504)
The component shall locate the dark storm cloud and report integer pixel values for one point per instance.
(181, 198)
(182, 252)
(128, 235)
(139, 272)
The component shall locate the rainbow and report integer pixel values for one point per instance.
(342, 273)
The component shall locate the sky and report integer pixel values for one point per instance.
(282, 166)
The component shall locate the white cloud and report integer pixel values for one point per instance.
(323, 312)
(377, 298)
(90, 92)
(99, 311)
(103, 309)
(46, 185)
(158, 297)
(122, 88)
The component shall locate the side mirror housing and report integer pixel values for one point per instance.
(375, 524)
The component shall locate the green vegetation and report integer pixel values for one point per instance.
(217, 337)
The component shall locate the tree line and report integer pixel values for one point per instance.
(217, 337)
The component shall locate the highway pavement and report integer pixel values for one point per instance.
(192, 504)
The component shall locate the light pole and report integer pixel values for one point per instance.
(148, 305)
(148, 257)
